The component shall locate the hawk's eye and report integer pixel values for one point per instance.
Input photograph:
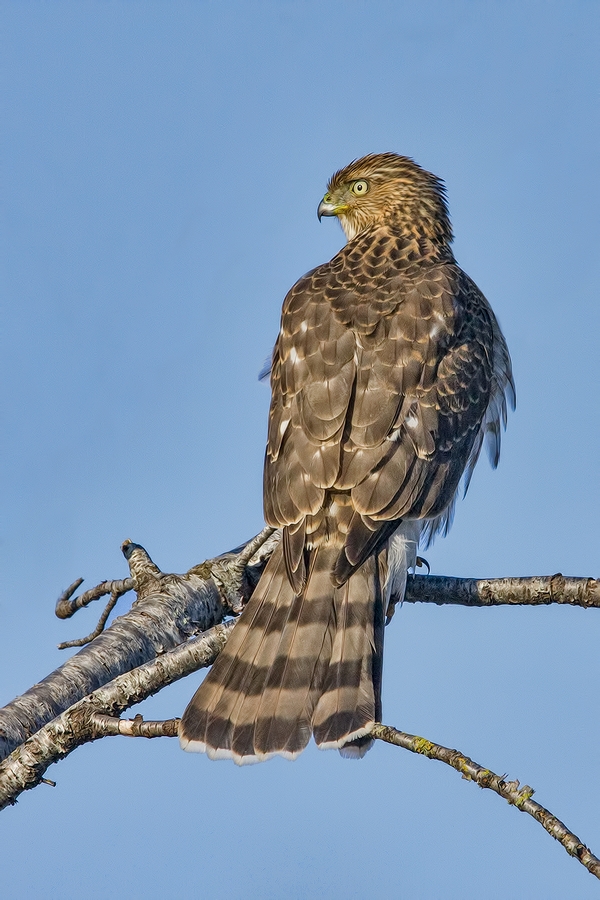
(360, 187)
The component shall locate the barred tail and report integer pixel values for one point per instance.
(294, 664)
(350, 701)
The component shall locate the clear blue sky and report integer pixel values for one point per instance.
(162, 165)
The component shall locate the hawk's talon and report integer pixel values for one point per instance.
(420, 562)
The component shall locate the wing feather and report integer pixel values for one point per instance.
(389, 374)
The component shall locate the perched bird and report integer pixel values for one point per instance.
(388, 374)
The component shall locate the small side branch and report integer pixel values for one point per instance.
(81, 642)
(109, 726)
(66, 607)
(539, 590)
(510, 791)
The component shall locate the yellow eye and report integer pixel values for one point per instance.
(360, 187)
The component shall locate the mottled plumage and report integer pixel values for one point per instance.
(389, 372)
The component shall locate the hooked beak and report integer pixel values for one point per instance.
(327, 208)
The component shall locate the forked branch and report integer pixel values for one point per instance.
(173, 628)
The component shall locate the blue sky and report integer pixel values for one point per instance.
(162, 167)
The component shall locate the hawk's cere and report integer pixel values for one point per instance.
(389, 372)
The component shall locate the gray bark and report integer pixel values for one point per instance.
(174, 627)
(169, 609)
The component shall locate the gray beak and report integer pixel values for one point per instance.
(325, 209)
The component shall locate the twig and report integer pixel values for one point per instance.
(65, 607)
(509, 790)
(252, 548)
(81, 642)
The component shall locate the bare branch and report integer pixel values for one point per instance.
(211, 590)
(170, 607)
(84, 722)
(534, 591)
(81, 642)
(137, 727)
(168, 610)
(150, 647)
(509, 790)
(65, 607)
(25, 767)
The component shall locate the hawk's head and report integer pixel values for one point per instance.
(387, 189)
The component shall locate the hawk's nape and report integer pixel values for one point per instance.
(388, 374)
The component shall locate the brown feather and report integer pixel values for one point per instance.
(288, 654)
(389, 373)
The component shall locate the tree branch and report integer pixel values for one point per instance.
(168, 610)
(26, 765)
(154, 644)
(509, 790)
(535, 591)
(111, 726)
(89, 720)
(67, 607)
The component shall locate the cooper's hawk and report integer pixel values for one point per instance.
(389, 372)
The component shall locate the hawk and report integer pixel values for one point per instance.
(388, 374)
